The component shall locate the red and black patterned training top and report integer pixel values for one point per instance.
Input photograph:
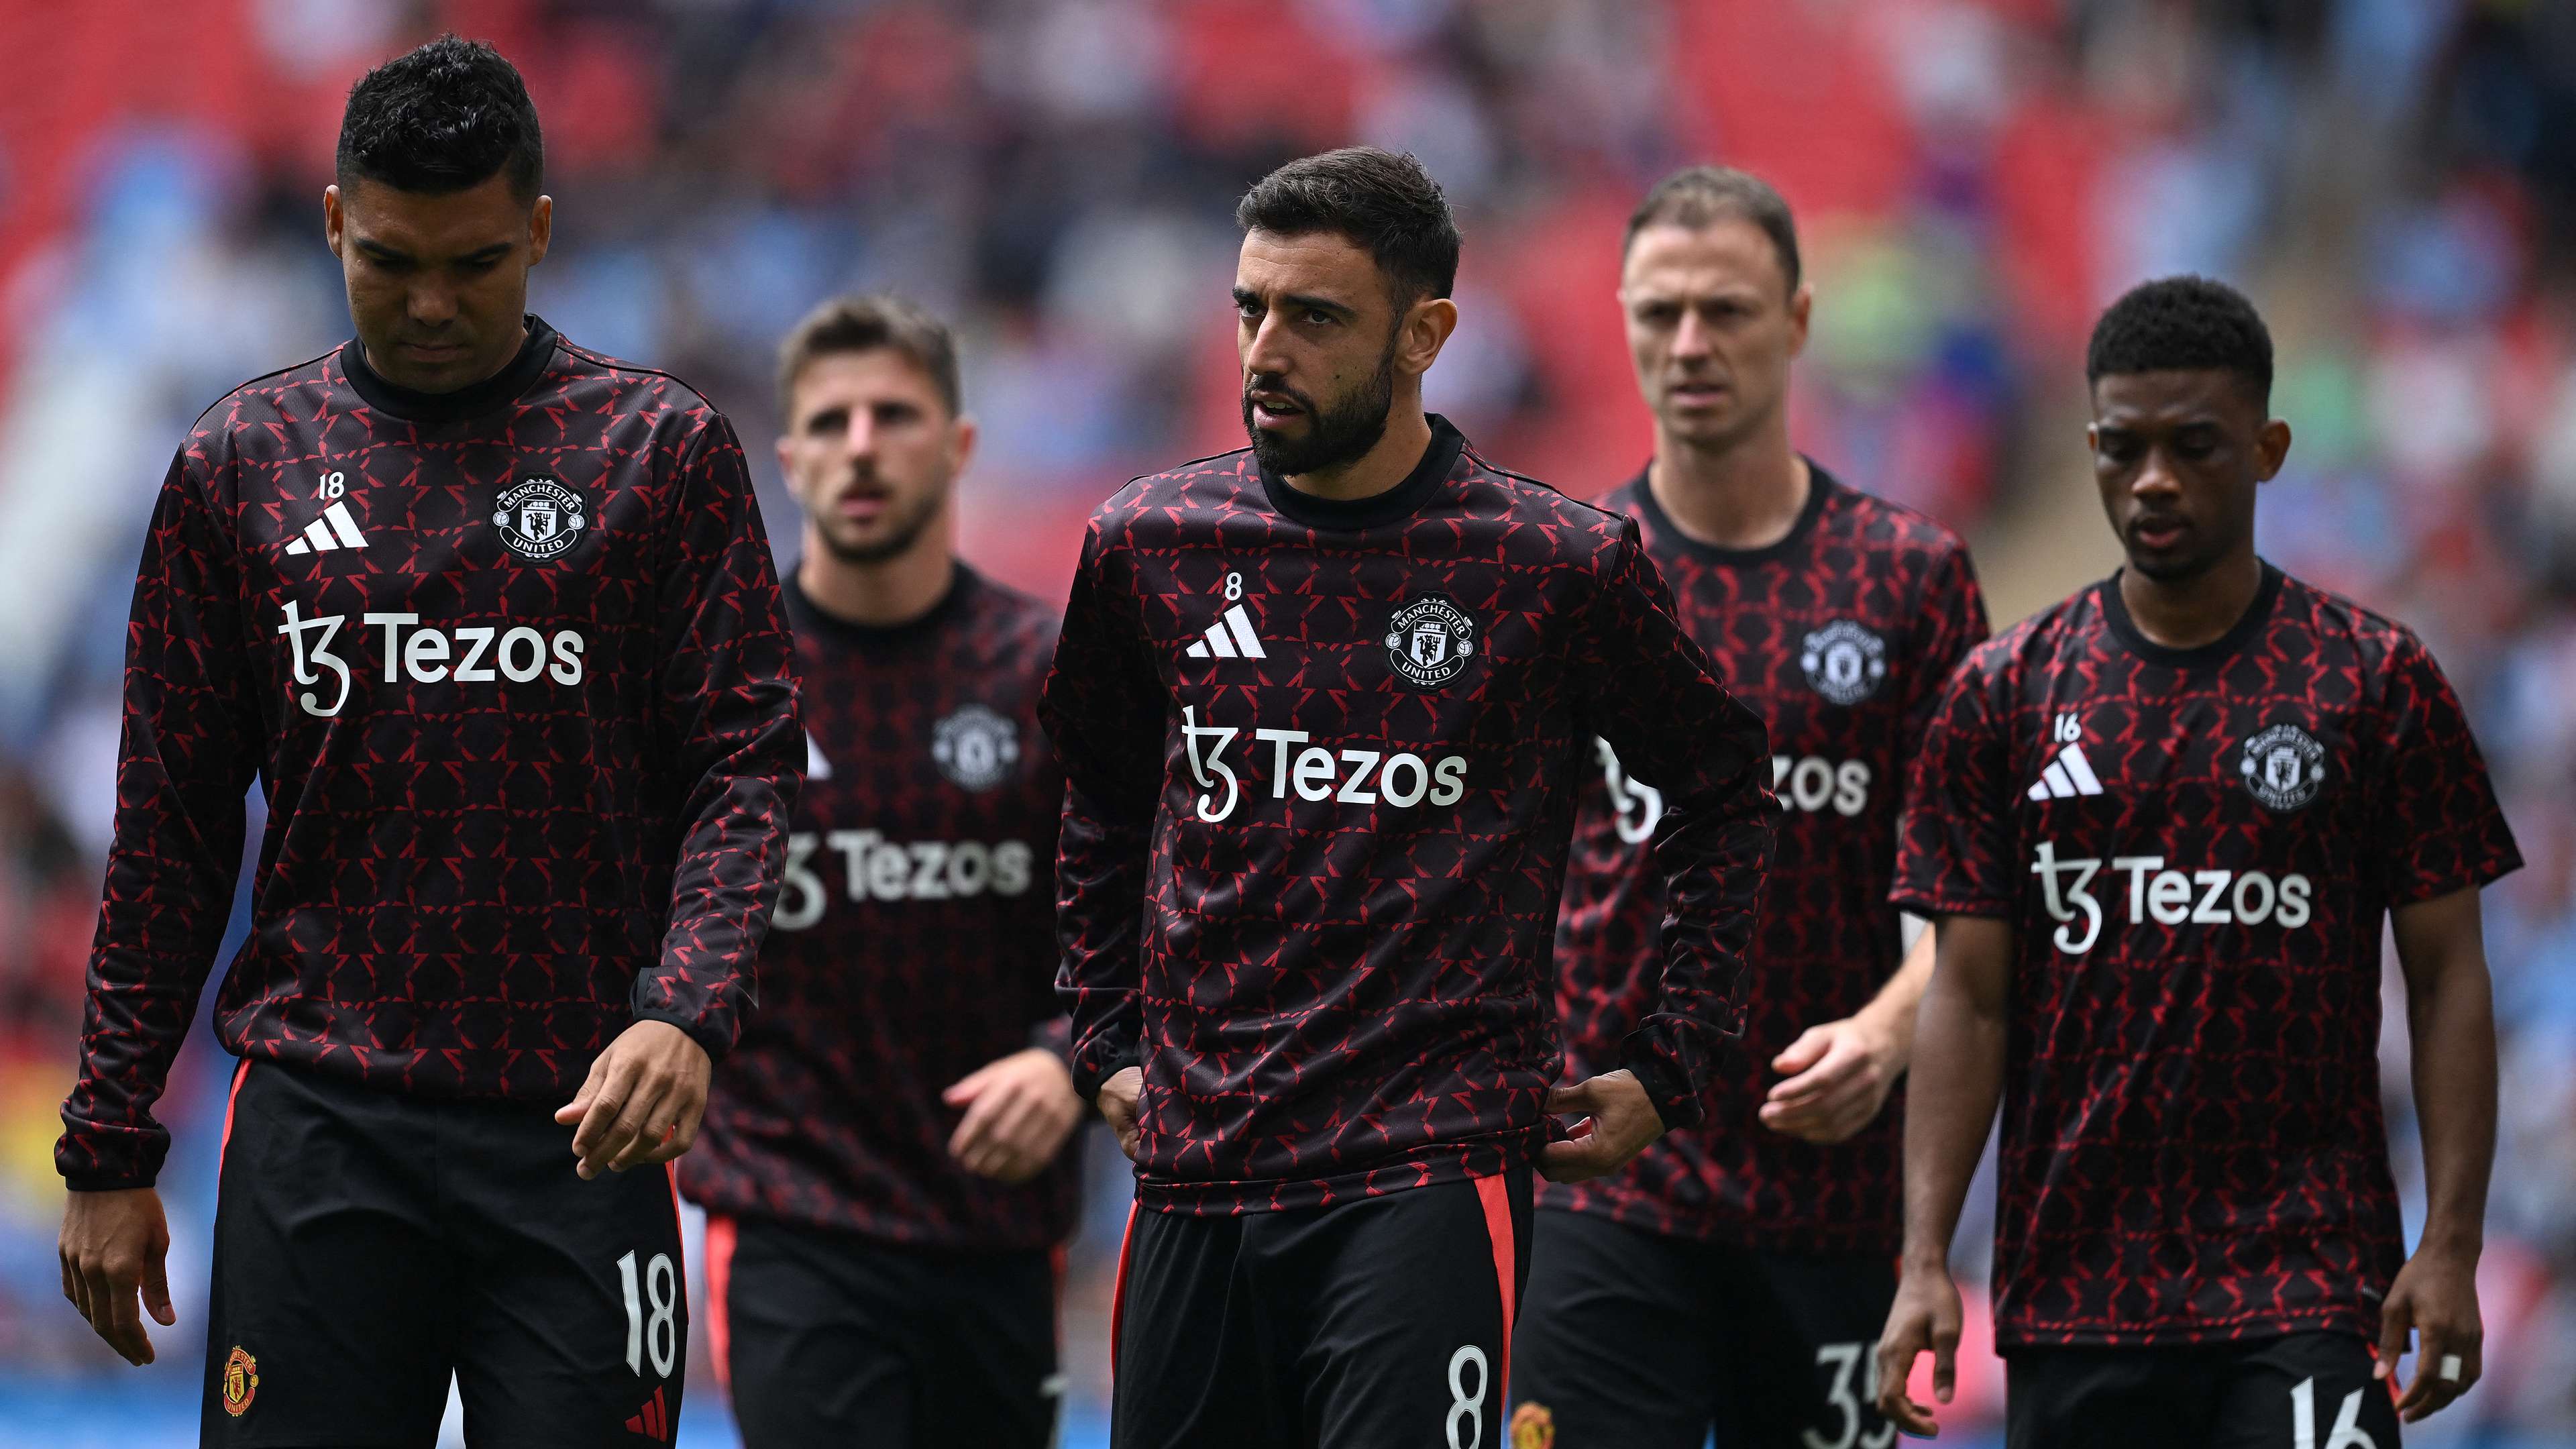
(915, 935)
(2197, 850)
(510, 666)
(1323, 760)
(1840, 636)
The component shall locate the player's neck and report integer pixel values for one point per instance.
(1398, 452)
(2188, 613)
(1744, 497)
(883, 595)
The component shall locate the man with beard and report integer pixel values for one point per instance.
(1325, 706)
(2159, 827)
(883, 1163)
(1737, 1273)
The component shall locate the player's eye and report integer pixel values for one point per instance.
(1317, 317)
(1659, 315)
(827, 422)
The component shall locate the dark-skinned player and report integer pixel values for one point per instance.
(492, 620)
(1325, 706)
(2160, 827)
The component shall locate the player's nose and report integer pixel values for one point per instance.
(430, 305)
(2156, 477)
(1691, 339)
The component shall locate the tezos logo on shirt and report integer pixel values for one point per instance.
(2284, 766)
(539, 518)
(1429, 640)
(975, 747)
(1844, 661)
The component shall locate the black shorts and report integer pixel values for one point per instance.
(1645, 1341)
(368, 1245)
(2298, 1391)
(1385, 1321)
(830, 1338)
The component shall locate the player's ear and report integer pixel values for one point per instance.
(334, 225)
(541, 229)
(786, 456)
(1802, 303)
(962, 434)
(1426, 329)
(2271, 448)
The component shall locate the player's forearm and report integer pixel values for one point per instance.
(1957, 1078)
(1100, 915)
(1898, 1003)
(2452, 1020)
(1715, 858)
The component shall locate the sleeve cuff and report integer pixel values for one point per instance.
(1091, 1069)
(1054, 1036)
(1676, 1099)
(109, 1181)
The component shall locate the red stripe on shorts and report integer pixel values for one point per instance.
(1118, 1295)
(719, 1299)
(231, 1098)
(1497, 1199)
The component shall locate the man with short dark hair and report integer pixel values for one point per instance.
(1736, 1274)
(2159, 828)
(1324, 706)
(492, 619)
(883, 1164)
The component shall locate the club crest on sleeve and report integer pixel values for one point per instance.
(2283, 766)
(1533, 1426)
(539, 518)
(976, 747)
(241, 1381)
(1429, 641)
(1845, 661)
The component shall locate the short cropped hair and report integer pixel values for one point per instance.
(1699, 196)
(868, 323)
(1382, 201)
(2182, 324)
(443, 118)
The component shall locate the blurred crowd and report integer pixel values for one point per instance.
(2393, 180)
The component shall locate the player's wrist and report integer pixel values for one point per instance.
(2451, 1242)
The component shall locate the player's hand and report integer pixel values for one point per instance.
(1019, 1110)
(1620, 1119)
(1926, 1315)
(1837, 1077)
(1117, 1103)
(2436, 1294)
(642, 1101)
(114, 1245)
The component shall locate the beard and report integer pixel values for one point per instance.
(1343, 435)
(900, 533)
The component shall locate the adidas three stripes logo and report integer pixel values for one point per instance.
(334, 529)
(1230, 637)
(2069, 775)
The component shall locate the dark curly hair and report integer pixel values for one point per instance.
(1380, 200)
(443, 118)
(2182, 323)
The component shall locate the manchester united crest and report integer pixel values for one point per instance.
(1429, 641)
(1534, 1427)
(241, 1381)
(539, 518)
(1844, 661)
(2283, 766)
(976, 747)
